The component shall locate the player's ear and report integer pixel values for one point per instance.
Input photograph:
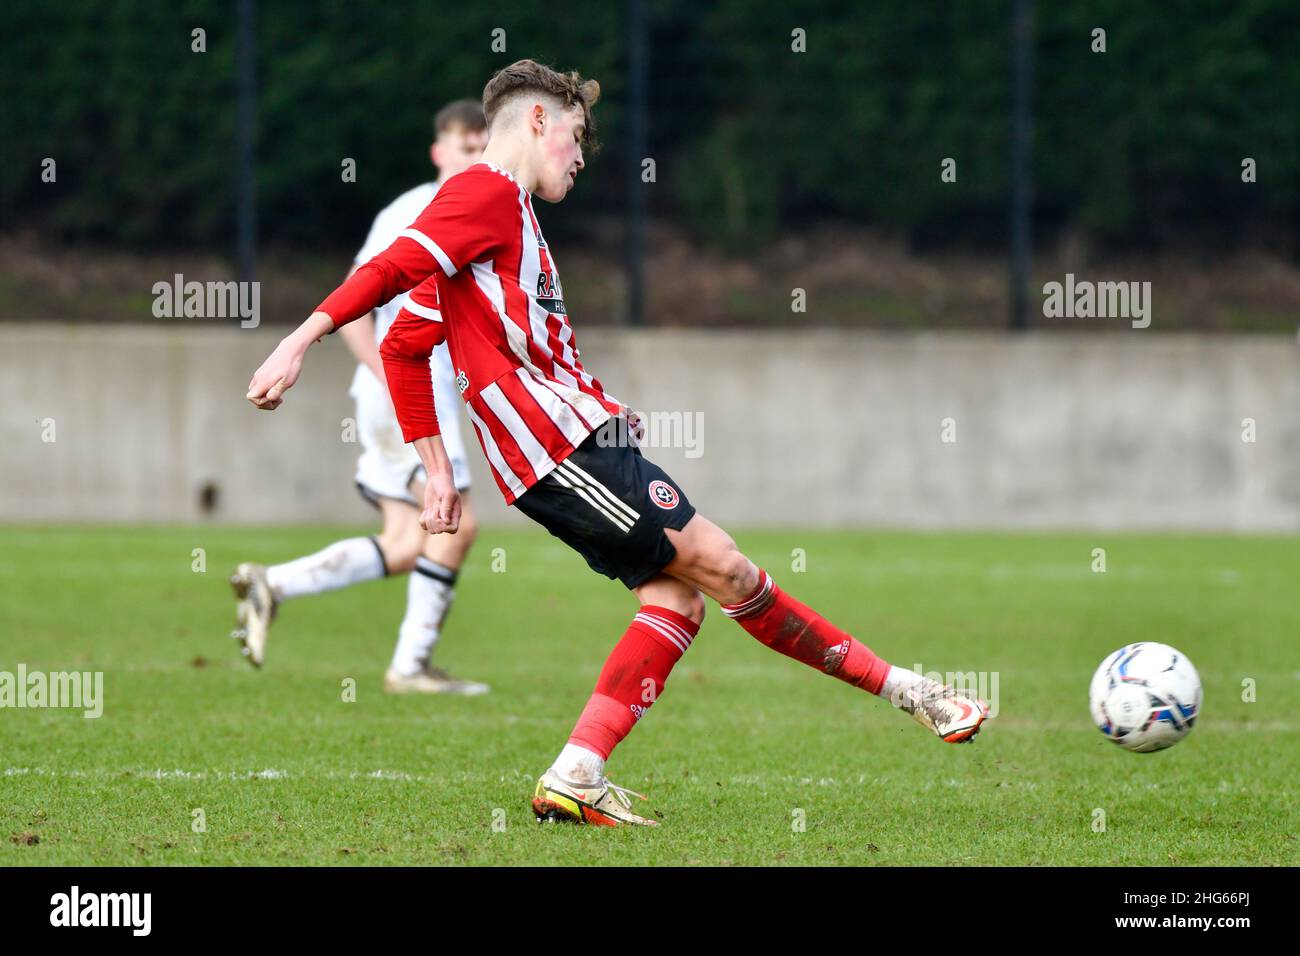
(538, 117)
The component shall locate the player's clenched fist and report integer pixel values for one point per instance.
(275, 376)
(283, 366)
(441, 513)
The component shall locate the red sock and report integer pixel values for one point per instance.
(633, 677)
(794, 629)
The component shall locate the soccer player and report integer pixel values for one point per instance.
(389, 472)
(537, 412)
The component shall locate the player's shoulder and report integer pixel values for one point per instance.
(482, 182)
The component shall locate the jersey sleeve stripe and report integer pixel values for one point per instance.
(423, 311)
(432, 248)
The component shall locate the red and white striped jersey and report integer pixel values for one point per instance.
(477, 256)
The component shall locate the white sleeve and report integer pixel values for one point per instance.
(383, 232)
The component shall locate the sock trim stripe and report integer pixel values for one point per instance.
(661, 626)
(435, 571)
(759, 602)
(676, 618)
(383, 562)
(650, 616)
(668, 635)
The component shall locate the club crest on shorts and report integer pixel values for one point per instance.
(663, 494)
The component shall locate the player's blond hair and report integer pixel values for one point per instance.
(529, 76)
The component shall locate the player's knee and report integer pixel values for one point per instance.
(693, 608)
(736, 574)
(403, 562)
(712, 562)
(675, 594)
(400, 552)
(467, 531)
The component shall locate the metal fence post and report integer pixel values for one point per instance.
(245, 125)
(1021, 187)
(636, 149)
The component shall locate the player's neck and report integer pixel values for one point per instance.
(509, 154)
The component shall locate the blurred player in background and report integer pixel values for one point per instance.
(389, 472)
(541, 417)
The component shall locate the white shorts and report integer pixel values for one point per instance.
(388, 465)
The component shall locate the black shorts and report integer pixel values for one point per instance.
(611, 505)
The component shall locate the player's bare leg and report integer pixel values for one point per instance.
(708, 559)
(434, 562)
(401, 547)
(575, 788)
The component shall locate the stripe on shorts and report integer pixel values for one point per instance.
(615, 518)
(578, 476)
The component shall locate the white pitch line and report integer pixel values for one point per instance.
(234, 775)
(136, 773)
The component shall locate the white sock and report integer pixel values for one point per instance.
(579, 765)
(342, 563)
(898, 679)
(429, 594)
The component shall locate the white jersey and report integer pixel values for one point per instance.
(387, 464)
(392, 219)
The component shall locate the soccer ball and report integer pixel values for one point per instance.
(1146, 696)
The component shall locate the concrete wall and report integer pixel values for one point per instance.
(827, 428)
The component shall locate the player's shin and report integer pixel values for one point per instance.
(795, 630)
(429, 595)
(785, 625)
(631, 680)
(339, 565)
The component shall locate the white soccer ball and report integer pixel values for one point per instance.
(1146, 696)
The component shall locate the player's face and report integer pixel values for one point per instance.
(457, 149)
(560, 148)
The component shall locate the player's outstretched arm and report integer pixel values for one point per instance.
(398, 268)
(277, 374)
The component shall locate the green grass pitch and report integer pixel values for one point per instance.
(748, 757)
